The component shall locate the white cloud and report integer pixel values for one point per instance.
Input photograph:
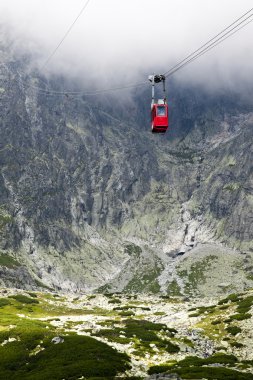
(121, 40)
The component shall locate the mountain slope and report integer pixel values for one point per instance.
(81, 181)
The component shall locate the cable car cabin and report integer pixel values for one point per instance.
(159, 118)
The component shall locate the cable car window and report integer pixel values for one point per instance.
(161, 111)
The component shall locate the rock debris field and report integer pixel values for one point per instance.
(63, 336)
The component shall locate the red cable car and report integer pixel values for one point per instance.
(159, 118)
(159, 108)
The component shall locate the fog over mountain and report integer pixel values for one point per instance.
(123, 253)
(117, 42)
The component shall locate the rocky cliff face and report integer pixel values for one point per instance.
(89, 198)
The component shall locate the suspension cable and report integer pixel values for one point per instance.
(65, 36)
(212, 39)
(205, 50)
(210, 44)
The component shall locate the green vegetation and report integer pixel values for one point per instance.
(27, 351)
(216, 322)
(4, 302)
(203, 310)
(127, 307)
(24, 299)
(146, 280)
(234, 330)
(213, 373)
(133, 249)
(185, 153)
(77, 356)
(8, 261)
(159, 369)
(127, 313)
(32, 294)
(174, 289)
(236, 344)
(146, 333)
(197, 368)
(244, 305)
(197, 274)
(216, 358)
(5, 217)
(231, 298)
(233, 186)
(238, 317)
(112, 335)
(114, 300)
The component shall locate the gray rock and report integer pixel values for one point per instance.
(57, 340)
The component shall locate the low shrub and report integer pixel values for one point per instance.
(233, 330)
(236, 344)
(231, 298)
(4, 302)
(24, 299)
(126, 313)
(34, 295)
(143, 330)
(76, 357)
(216, 322)
(211, 373)
(113, 301)
(169, 347)
(239, 317)
(158, 369)
(245, 305)
(216, 358)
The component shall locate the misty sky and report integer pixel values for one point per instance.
(120, 41)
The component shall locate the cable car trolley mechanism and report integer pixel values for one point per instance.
(159, 107)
